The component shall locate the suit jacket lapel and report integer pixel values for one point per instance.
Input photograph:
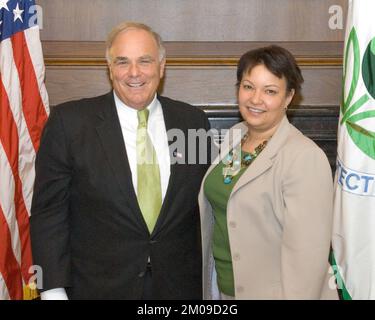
(171, 121)
(110, 134)
(265, 160)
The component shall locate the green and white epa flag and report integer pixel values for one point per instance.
(353, 241)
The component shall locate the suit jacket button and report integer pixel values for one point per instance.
(240, 289)
(232, 224)
(141, 274)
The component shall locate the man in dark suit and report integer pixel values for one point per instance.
(94, 230)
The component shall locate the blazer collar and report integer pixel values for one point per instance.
(171, 121)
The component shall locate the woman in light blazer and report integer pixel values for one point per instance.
(266, 204)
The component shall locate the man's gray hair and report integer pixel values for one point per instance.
(133, 25)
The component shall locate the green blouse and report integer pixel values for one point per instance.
(218, 193)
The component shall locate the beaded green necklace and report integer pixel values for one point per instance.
(234, 162)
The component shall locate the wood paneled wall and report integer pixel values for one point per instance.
(204, 40)
(194, 20)
(198, 73)
(211, 85)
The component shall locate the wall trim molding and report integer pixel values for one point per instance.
(191, 62)
(231, 110)
(309, 117)
(194, 54)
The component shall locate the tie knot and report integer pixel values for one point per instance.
(143, 117)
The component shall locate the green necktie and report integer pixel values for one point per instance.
(149, 187)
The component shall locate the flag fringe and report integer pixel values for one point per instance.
(30, 292)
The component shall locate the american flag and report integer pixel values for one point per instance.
(23, 111)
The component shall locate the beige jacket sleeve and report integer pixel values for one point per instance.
(308, 195)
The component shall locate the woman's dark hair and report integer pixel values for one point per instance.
(277, 60)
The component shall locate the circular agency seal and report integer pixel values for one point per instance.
(363, 138)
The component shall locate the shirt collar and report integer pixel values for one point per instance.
(131, 112)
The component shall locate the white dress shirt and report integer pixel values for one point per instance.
(158, 135)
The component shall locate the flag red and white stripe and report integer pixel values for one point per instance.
(23, 112)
